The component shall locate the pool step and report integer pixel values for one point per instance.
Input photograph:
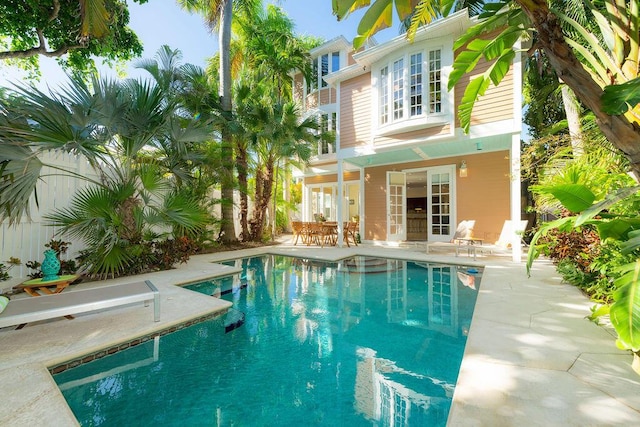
(367, 266)
(229, 290)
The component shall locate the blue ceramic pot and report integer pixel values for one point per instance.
(50, 266)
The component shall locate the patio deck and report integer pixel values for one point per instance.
(531, 357)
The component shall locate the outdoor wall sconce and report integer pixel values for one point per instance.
(463, 169)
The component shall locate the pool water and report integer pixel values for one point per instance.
(364, 341)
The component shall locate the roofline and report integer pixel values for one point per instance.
(458, 22)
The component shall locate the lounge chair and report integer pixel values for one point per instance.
(462, 238)
(32, 309)
(503, 244)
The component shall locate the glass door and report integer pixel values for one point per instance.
(396, 206)
(440, 206)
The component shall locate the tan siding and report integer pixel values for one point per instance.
(375, 203)
(327, 96)
(355, 113)
(330, 178)
(495, 105)
(350, 60)
(416, 134)
(483, 195)
(351, 176)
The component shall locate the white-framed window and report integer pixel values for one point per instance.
(410, 86)
(435, 81)
(398, 89)
(320, 67)
(415, 85)
(384, 95)
(328, 123)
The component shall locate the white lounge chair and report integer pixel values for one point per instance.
(462, 238)
(507, 235)
(33, 309)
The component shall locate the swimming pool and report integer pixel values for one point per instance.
(357, 342)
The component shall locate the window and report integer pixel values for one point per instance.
(384, 96)
(435, 83)
(421, 72)
(320, 67)
(416, 85)
(327, 124)
(335, 61)
(398, 89)
(325, 70)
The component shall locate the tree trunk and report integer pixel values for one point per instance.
(257, 219)
(227, 229)
(264, 185)
(242, 167)
(617, 129)
(571, 107)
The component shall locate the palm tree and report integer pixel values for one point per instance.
(277, 132)
(116, 125)
(219, 13)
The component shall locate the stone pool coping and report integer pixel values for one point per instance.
(531, 357)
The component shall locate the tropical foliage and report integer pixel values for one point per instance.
(594, 243)
(139, 145)
(78, 30)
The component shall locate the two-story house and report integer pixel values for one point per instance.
(400, 161)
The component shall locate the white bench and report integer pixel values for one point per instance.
(33, 309)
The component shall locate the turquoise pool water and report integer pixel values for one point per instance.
(364, 341)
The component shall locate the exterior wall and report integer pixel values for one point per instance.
(350, 60)
(355, 111)
(483, 195)
(495, 105)
(331, 178)
(327, 96)
(413, 135)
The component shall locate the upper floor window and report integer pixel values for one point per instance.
(321, 66)
(328, 128)
(395, 103)
(384, 95)
(435, 83)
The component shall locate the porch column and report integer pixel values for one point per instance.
(340, 203)
(514, 173)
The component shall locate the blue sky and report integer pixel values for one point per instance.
(161, 22)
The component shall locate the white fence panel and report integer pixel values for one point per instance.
(26, 240)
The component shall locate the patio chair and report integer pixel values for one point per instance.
(350, 229)
(462, 237)
(299, 232)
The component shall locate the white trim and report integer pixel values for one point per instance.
(425, 119)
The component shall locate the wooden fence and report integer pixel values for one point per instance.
(26, 239)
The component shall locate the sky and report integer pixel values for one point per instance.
(160, 22)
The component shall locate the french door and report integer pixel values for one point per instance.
(396, 206)
(441, 203)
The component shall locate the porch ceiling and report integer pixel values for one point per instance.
(378, 156)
